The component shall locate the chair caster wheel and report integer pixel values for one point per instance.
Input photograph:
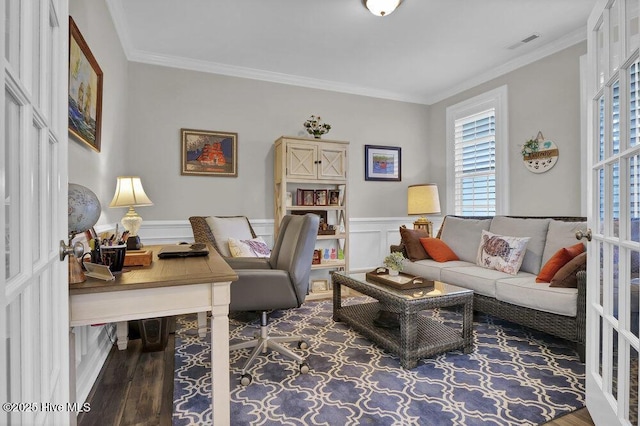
(302, 344)
(304, 368)
(245, 379)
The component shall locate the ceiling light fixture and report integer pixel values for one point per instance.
(381, 7)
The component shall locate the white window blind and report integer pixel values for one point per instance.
(475, 164)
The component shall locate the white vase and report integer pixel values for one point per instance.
(393, 272)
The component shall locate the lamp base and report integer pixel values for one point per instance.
(133, 243)
(424, 223)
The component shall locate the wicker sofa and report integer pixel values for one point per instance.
(517, 298)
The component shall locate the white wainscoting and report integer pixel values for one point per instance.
(369, 239)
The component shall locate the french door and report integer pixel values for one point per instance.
(613, 159)
(34, 333)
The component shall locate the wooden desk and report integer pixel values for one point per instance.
(166, 287)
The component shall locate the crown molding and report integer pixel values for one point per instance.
(550, 48)
(269, 76)
(135, 55)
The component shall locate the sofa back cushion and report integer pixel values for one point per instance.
(462, 235)
(561, 234)
(536, 229)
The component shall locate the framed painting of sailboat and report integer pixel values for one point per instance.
(209, 153)
(85, 90)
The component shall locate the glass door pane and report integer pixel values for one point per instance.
(12, 185)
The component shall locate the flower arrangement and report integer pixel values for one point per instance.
(316, 127)
(394, 261)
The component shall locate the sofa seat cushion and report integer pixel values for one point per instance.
(476, 278)
(524, 291)
(463, 235)
(429, 268)
(535, 229)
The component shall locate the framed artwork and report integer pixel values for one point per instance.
(321, 197)
(209, 153)
(319, 285)
(85, 91)
(308, 197)
(382, 163)
(334, 197)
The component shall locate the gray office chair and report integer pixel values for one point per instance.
(280, 282)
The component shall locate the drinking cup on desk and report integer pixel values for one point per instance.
(113, 256)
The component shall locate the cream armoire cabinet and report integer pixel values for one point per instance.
(305, 166)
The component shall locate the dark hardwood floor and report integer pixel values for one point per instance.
(136, 388)
(133, 387)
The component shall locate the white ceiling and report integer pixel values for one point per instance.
(424, 52)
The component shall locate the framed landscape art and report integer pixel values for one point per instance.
(382, 163)
(209, 153)
(85, 91)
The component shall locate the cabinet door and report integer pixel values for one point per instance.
(333, 162)
(301, 160)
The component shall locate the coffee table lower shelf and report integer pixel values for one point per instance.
(432, 337)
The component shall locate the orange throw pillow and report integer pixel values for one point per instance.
(438, 250)
(557, 261)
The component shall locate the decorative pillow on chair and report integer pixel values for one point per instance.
(411, 241)
(438, 250)
(557, 261)
(255, 247)
(501, 252)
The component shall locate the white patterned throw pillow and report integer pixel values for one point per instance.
(501, 252)
(255, 247)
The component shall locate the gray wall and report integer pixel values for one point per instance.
(98, 171)
(543, 96)
(145, 106)
(164, 100)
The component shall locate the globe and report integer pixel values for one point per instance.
(84, 208)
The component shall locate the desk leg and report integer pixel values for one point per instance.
(220, 389)
(202, 324)
(122, 331)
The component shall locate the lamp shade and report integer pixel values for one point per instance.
(382, 7)
(423, 199)
(129, 193)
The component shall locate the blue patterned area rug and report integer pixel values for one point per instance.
(515, 376)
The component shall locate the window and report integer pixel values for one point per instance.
(476, 182)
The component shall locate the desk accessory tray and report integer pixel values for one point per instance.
(401, 281)
(138, 258)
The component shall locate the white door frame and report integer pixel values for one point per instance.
(34, 342)
(612, 166)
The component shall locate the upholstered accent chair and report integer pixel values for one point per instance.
(279, 282)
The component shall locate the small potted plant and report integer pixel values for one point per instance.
(316, 127)
(394, 262)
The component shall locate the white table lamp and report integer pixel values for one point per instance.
(129, 193)
(421, 200)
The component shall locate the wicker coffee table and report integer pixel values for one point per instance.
(417, 336)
